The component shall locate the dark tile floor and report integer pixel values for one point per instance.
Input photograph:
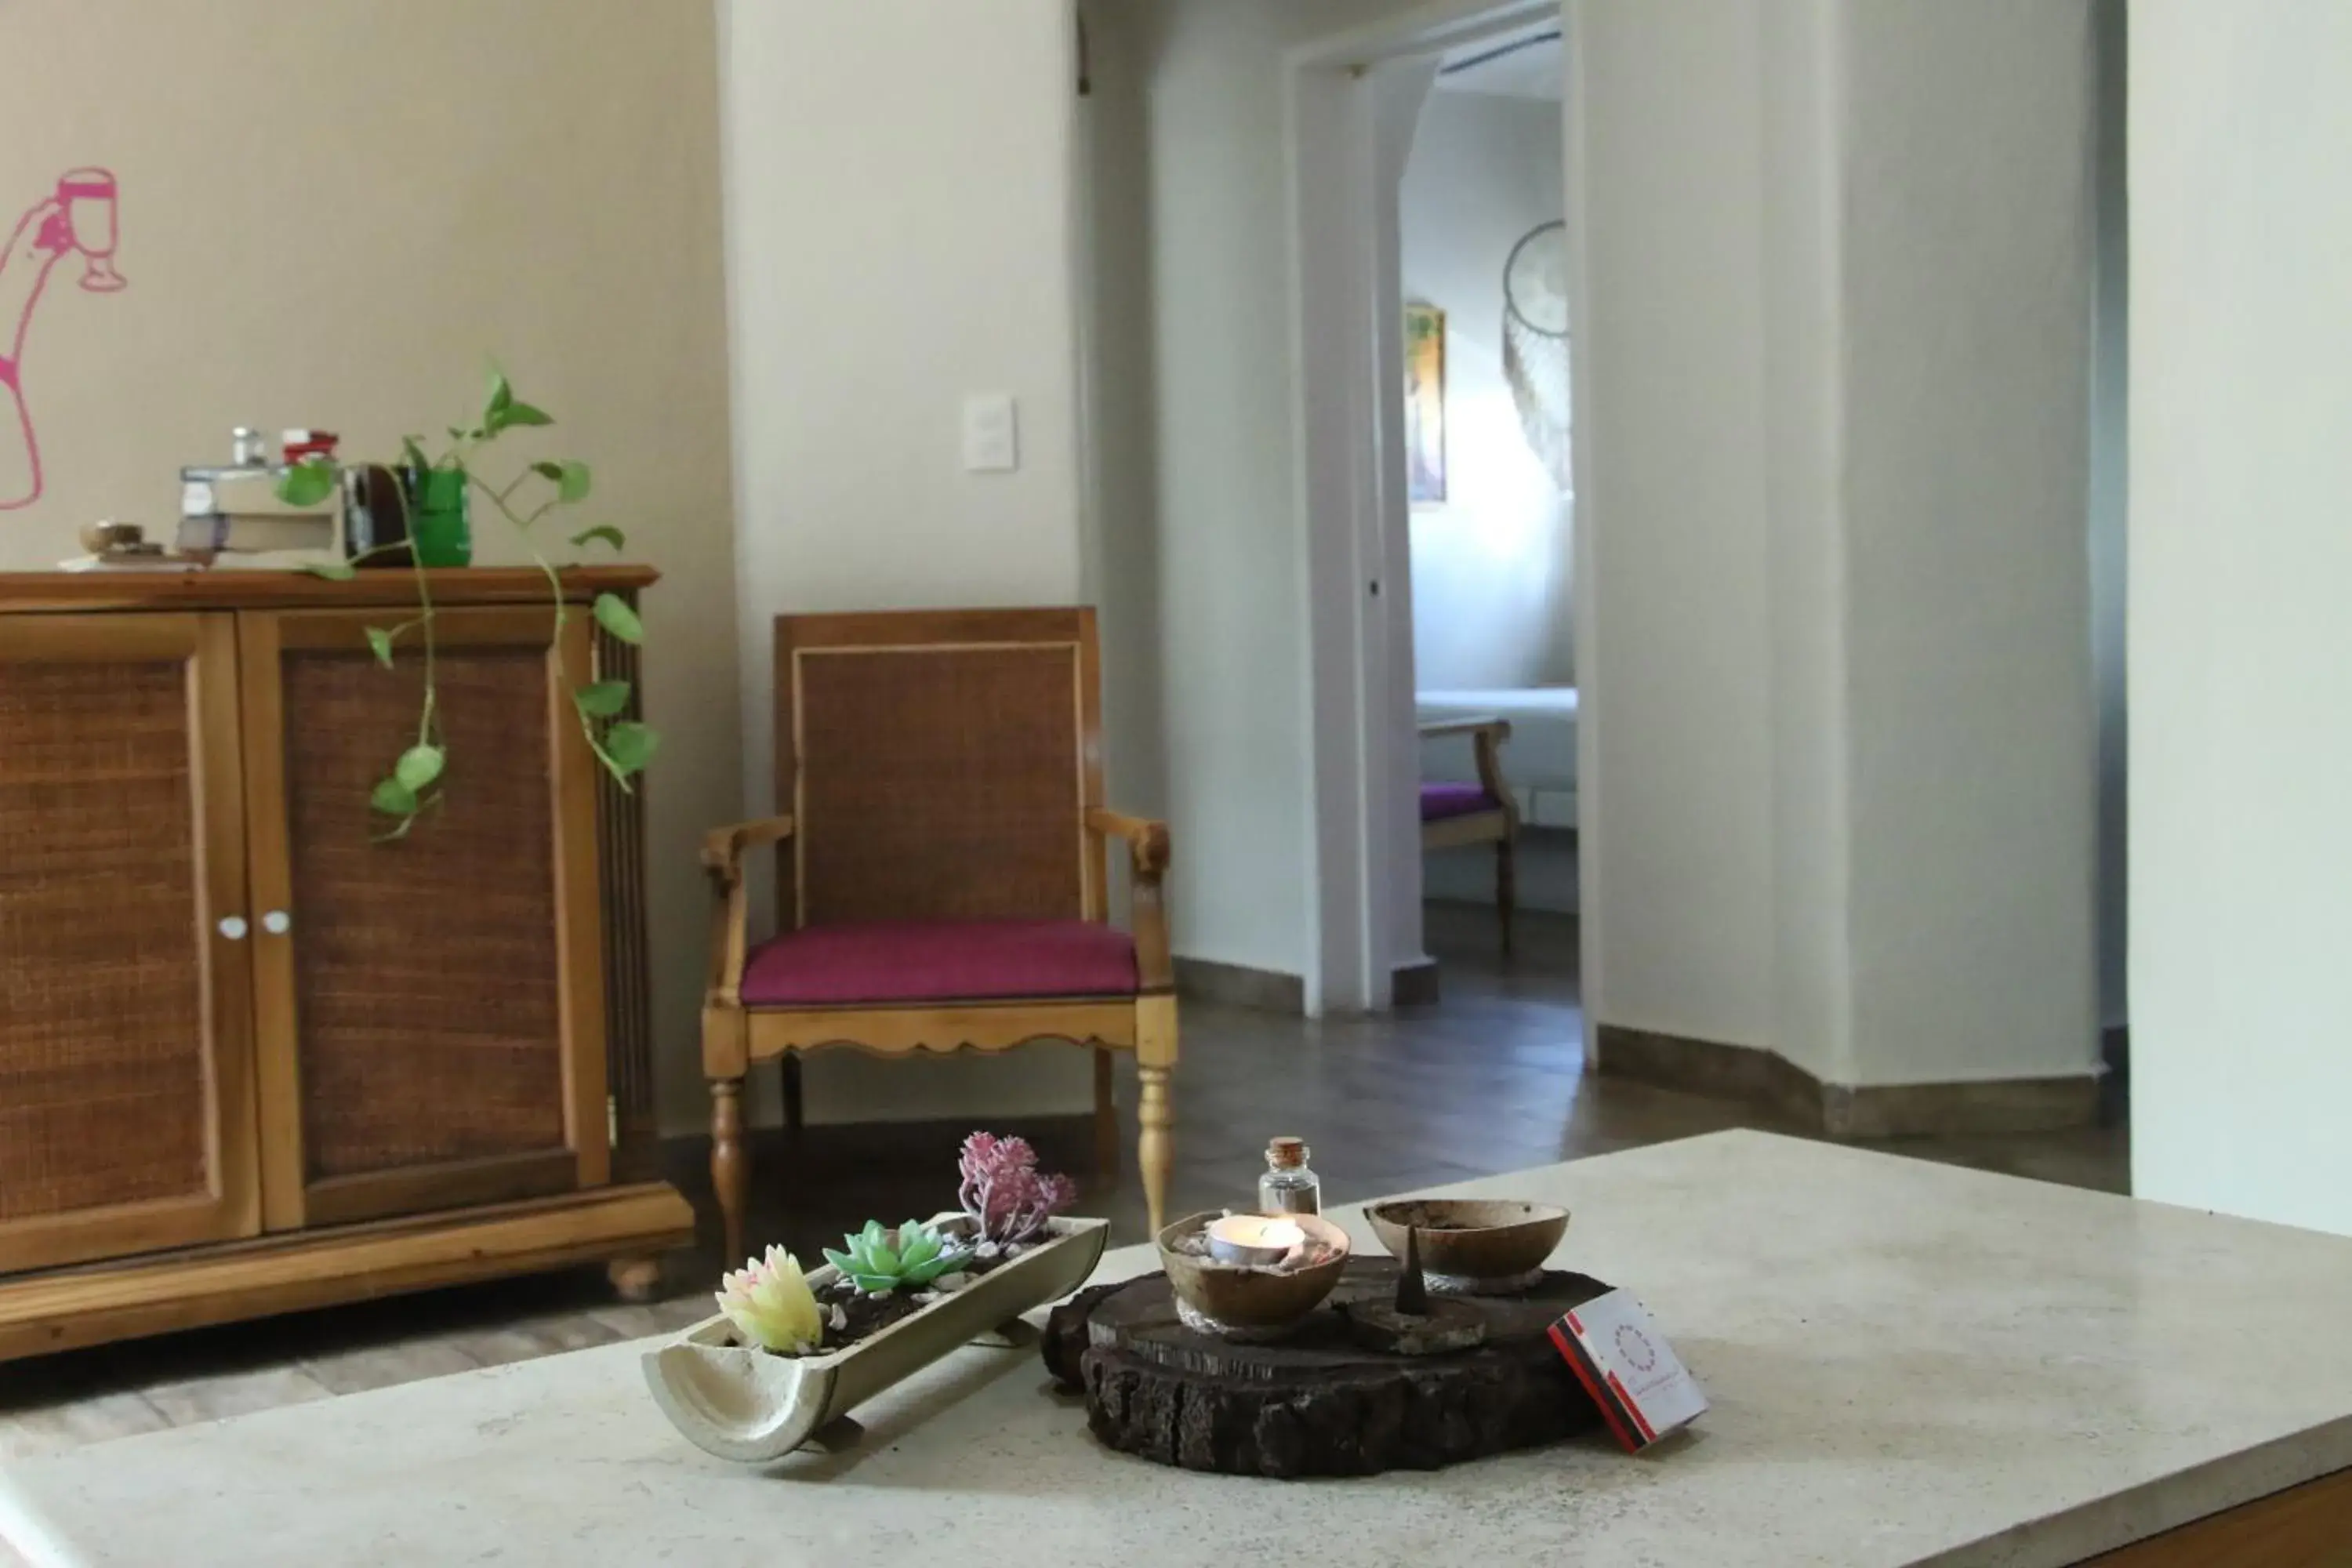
(1488, 1080)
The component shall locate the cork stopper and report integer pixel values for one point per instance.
(1286, 1154)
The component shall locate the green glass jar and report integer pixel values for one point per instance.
(439, 525)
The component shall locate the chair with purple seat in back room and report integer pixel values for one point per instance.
(1483, 812)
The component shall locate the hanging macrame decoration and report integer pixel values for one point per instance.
(1535, 343)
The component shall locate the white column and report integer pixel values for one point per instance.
(2240, 575)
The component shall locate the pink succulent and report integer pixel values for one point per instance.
(1002, 1192)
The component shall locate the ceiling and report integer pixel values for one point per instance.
(1531, 69)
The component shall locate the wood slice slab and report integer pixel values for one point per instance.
(1317, 1403)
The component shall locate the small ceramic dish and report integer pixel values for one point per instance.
(1243, 1301)
(1472, 1247)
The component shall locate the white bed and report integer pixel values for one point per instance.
(1539, 760)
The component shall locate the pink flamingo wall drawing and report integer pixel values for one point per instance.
(81, 214)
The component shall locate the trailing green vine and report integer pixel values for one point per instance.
(416, 780)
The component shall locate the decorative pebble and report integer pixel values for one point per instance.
(986, 1250)
(925, 1298)
(840, 1318)
(949, 1284)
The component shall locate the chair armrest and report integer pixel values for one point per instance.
(1147, 848)
(1486, 738)
(1438, 728)
(1147, 842)
(724, 847)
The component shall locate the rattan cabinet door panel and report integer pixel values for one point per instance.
(430, 1007)
(126, 1043)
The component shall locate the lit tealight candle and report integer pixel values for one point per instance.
(1257, 1239)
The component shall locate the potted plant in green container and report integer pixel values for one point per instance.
(438, 533)
(791, 1353)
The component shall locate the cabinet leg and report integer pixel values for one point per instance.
(730, 1172)
(792, 1071)
(636, 1279)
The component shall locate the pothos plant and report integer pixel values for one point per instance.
(415, 782)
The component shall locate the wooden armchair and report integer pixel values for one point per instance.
(943, 884)
(1482, 812)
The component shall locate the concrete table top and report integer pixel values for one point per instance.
(1909, 1363)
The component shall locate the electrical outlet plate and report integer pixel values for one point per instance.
(992, 434)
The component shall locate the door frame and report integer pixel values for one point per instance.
(1364, 853)
(290, 1199)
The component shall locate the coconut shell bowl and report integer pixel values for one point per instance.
(1250, 1302)
(1472, 1247)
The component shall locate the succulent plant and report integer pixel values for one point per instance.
(880, 1261)
(1008, 1202)
(770, 1303)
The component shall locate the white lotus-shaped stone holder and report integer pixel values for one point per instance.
(743, 1404)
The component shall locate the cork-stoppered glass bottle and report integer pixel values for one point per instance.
(1288, 1186)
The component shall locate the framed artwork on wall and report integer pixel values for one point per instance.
(1424, 404)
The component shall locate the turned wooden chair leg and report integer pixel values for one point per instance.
(1106, 1115)
(1155, 1059)
(1153, 1153)
(730, 1166)
(1507, 888)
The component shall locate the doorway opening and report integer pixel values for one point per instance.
(1435, 273)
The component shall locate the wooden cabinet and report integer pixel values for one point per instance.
(233, 1024)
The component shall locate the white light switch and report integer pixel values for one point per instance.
(992, 434)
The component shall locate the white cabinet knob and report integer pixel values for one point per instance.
(233, 927)
(278, 922)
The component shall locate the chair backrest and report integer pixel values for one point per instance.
(940, 765)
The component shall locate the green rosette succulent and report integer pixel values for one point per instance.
(880, 1261)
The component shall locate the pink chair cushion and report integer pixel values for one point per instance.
(939, 961)
(1440, 801)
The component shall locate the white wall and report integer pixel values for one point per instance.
(1838, 719)
(1200, 551)
(1491, 564)
(2241, 571)
(900, 224)
(1966, 281)
(1675, 773)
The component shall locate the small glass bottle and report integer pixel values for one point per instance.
(1288, 1186)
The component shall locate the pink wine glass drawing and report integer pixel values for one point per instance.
(81, 215)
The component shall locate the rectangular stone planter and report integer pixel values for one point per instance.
(742, 1403)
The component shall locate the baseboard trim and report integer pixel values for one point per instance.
(1239, 985)
(1764, 1078)
(1415, 984)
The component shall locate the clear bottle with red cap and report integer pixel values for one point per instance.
(1288, 1186)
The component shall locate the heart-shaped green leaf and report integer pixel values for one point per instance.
(613, 613)
(501, 396)
(575, 482)
(603, 699)
(393, 798)
(308, 482)
(380, 644)
(517, 413)
(602, 533)
(419, 767)
(630, 745)
(333, 571)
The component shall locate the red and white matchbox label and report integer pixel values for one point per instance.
(1632, 1373)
